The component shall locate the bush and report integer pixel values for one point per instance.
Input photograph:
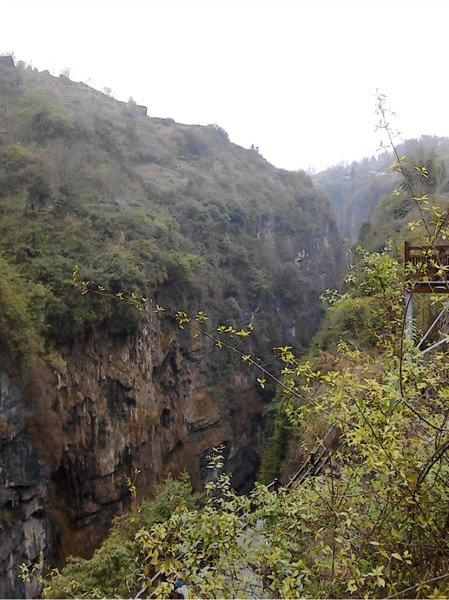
(18, 167)
(113, 571)
(19, 316)
(39, 193)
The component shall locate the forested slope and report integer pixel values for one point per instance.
(170, 211)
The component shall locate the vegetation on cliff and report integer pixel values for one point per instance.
(172, 212)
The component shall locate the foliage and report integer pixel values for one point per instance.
(168, 211)
(17, 168)
(39, 193)
(369, 304)
(277, 433)
(112, 571)
(20, 319)
(374, 525)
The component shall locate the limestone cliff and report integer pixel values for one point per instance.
(24, 517)
(143, 402)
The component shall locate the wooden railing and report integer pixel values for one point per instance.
(430, 272)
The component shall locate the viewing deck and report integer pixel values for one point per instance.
(431, 268)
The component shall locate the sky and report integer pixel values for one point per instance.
(296, 78)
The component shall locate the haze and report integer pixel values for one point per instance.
(295, 78)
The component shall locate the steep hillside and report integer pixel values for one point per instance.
(170, 211)
(357, 190)
(92, 389)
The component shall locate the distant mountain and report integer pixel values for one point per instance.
(356, 190)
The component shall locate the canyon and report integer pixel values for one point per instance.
(97, 399)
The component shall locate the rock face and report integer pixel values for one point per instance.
(143, 403)
(24, 516)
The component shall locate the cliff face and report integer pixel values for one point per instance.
(139, 403)
(24, 517)
(144, 404)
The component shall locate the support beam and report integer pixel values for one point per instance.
(446, 307)
(408, 316)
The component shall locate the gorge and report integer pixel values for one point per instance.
(94, 393)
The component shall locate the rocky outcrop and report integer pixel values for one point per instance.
(144, 403)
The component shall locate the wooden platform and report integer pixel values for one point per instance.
(430, 266)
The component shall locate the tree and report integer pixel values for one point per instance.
(39, 193)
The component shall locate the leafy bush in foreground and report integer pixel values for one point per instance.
(373, 524)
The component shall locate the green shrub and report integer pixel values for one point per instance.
(18, 166)
(19, 316)
(113, 570)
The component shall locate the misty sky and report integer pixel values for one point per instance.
(297, 78)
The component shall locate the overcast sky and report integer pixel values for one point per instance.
(297, 78)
